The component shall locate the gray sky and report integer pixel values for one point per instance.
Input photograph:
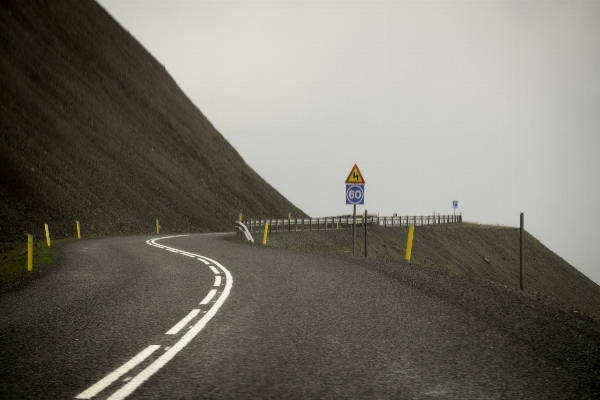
(493, 104)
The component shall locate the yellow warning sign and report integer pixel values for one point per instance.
(355, 176)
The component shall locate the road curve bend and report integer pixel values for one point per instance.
(128, 317)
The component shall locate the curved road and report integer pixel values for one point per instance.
(198, 316)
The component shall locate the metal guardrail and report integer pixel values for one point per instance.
(345, 222)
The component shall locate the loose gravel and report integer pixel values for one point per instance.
(552, 332)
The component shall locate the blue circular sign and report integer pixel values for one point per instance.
(355, 194)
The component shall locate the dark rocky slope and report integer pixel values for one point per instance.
(92, 128)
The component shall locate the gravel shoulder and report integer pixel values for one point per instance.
(553, 333)
(486, 252)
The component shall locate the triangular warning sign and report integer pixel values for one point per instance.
(355, 176)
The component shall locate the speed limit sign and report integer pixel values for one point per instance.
(355, 194)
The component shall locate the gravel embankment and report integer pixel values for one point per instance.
(553, 332)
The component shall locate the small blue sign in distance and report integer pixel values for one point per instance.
(355, 194)
(455, 204)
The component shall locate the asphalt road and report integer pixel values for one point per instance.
(280, 324)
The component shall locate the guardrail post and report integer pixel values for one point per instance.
(29, 252)
(411, 230)
(47, 234)
(266, 232)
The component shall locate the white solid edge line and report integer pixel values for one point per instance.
(217, 280)
(117, 373)
(182, 323)
(160, 362)
(209, 297)
(204, 261)
(216, 271)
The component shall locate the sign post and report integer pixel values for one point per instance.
(521, 252)
(455, 206)
(355, 194)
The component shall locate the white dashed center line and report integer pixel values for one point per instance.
(209, 297)
(174, 330)
(117, 373)
(170, 352)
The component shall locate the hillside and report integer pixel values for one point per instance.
(92, 128)
(462, 250)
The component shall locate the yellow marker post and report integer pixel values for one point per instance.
(411, 230)
(240, 217)
(78, 230)
(266, 232)
(29, 253)
(157, 228)
(289, 215)
(47, 234)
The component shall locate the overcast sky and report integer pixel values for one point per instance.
(493, 104)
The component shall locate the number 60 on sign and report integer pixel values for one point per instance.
(355, 194)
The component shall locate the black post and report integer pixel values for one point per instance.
(522, 253)
(354, 232)
(365, 232)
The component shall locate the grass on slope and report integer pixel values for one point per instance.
(13, 266)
